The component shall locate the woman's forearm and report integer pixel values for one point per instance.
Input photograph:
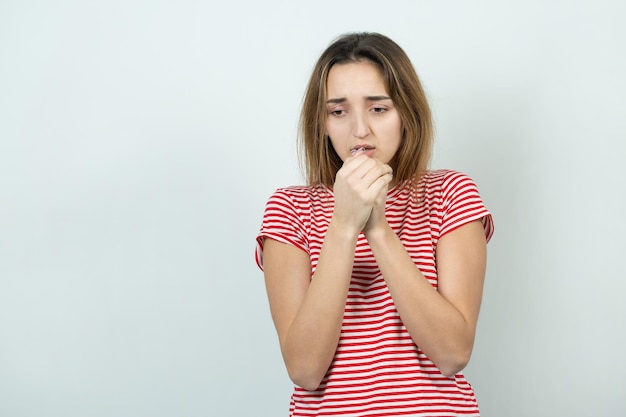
(311, 340)
(443, 332)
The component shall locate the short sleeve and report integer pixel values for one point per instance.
(283, 222)
(462, 204)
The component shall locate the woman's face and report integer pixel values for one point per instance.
(360, 113)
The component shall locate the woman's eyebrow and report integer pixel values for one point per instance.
(377, 98)
(368, 98)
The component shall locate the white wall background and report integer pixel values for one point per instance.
(139, 141)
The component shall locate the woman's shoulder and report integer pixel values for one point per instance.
(301, 193)
(444, 178)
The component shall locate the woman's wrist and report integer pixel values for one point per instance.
(343, 231)
(379, 234)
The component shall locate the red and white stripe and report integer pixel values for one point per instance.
(377, 369)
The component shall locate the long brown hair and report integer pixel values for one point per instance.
(320, 161)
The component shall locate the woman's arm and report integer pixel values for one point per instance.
(308, 312)
(441, 322)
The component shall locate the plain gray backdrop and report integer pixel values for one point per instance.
(140, 140)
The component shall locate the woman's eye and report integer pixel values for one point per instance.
(337, 112)
(379, 109)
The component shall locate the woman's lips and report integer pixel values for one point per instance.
(362, 149)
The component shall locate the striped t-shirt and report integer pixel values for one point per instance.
(377, 369)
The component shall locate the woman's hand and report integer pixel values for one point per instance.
(377, 219)
(360, 192)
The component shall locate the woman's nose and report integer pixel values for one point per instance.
(360, 127)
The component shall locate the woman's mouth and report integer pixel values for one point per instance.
(361, 149)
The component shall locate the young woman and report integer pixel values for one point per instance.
(374, 270)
